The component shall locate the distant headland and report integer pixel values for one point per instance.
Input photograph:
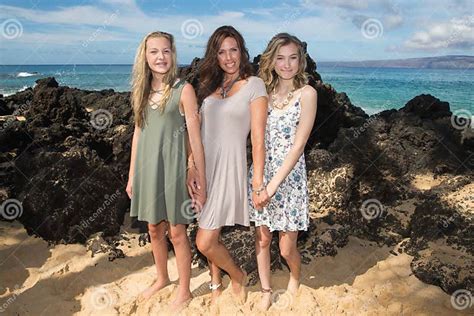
(440, 62)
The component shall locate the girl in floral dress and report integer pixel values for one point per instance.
(291, 114)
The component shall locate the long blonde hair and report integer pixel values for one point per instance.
(267, 62)
(142, 76)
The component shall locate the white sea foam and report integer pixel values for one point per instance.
(9, 92)
(26, 74)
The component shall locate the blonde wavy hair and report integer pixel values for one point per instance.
(142, 76)
(267, 62)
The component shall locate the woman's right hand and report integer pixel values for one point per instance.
(199, 200)
(129, 187)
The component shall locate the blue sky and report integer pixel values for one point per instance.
(109, 31)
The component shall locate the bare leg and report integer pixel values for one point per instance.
(208, 243)
(289, 251)
(160, 254)
(215, 279)
(262, 246)
(180, 242)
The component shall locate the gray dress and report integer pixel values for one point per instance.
(224, 130)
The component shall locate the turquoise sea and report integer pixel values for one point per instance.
(373, 89)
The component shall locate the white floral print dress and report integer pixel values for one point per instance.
(288, 208)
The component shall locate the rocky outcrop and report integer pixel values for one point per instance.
(67, 163)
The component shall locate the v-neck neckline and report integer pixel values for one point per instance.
(241, 88)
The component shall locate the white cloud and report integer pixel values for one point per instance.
(345, 4)
(119, 23)
(78, 15)
(457, 33)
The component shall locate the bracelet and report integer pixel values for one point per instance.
(259, 190)
(191, 164)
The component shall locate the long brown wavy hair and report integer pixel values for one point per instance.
(142, 76)
(210, 74)
(267, 62)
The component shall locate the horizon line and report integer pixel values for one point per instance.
(187, 64)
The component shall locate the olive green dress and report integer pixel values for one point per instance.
(159, 183)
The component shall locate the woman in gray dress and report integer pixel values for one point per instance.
(234, 104)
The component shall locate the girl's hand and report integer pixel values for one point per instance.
(129, 187)
(264, 198)
(192, 182)
(270, 190)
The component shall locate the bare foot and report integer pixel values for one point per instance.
(215, 294)
(238, 288)
(158, 285)
(293, 285)
(266, 301)
(180, 302)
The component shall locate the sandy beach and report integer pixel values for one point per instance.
(362, 279)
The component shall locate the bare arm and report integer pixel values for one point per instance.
(303, 131)
(258, 122)
(193, 123)
(131, 171)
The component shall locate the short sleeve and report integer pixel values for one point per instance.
(258, 89)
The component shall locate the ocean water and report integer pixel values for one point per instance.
(378, 89)
(373, 89)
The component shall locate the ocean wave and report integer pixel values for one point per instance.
(9, 92)
(26, 74)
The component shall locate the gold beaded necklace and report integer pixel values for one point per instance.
(285, 102)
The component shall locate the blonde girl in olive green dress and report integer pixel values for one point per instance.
(163, 105)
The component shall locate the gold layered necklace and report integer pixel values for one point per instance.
(285, 102)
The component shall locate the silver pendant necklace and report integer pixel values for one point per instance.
(225, 91)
